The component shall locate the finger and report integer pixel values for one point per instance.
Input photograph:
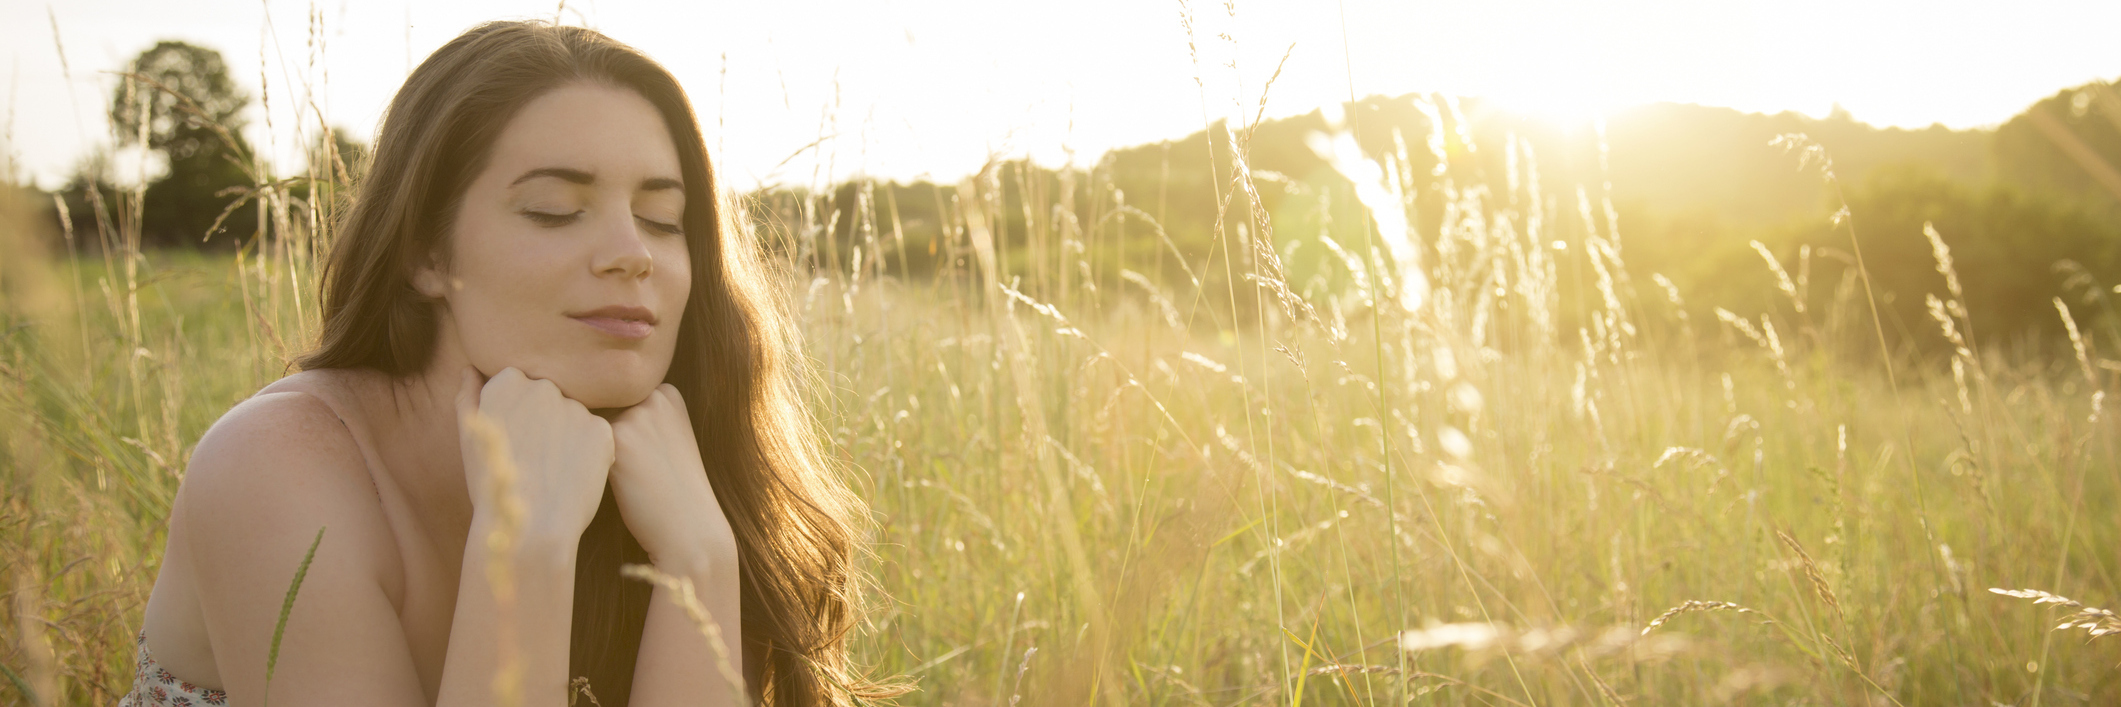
(649, 407)
(607, 441)
(670, 393)
(508, 385)
(546, 390)
(469, 388)
(507, 375)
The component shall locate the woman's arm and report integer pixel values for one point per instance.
(535, 463)
(527, 636)
(677, 664)
(663, 494)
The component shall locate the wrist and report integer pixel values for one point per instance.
(690, 546)
(531, 546)
(696, 561)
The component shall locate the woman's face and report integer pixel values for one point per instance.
(567, 260)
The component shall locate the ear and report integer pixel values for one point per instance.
(430, 281)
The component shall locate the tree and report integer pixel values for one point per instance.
(179, 97)
(2068, 144)
(336, 157)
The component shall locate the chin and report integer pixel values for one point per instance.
(600, 395)
(601, 382)
(603, 390)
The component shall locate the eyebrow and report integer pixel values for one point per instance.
(576, 176)
(571, 176)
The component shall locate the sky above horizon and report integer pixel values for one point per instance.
(807, 92)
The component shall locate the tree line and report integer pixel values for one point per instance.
(2032, 209)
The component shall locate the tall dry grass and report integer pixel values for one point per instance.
(1484, 464)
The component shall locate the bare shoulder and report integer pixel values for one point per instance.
(280, 424)
(280, 464)
(275, 474)
(332, 384)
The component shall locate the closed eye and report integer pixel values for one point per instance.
(545, 219)
(665, 228)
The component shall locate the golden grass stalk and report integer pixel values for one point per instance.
(682, 592)
(492, 444)
(1943, 256)
(2096, 622)
(2077, 344)
(1782, 277)
(578, 689)
(41, 685)
(1820, 587)
(1693, 606)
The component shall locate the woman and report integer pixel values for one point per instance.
(538, 245)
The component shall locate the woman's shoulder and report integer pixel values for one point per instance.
(337, 388)
(278, 482)
(295, 420)
(282, 461)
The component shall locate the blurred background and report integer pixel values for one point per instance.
(1240, 352)
(1994, 118)
(906, 89)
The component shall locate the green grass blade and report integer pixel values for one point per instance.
(272, 655)
(28, 696)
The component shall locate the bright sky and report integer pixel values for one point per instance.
(905, 89)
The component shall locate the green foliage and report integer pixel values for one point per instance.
(2014, 251)
(1685, 159)
(182, 93)
(180, 98)
(2005, 243)
(29, 695)
(1693, 187)
(2034, 157)
(336, 157)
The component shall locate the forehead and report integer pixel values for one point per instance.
(610, 132)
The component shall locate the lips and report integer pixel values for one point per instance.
(619, 321)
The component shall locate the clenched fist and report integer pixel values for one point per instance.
(662, 488)
(562, 453)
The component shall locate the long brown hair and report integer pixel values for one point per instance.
(793, 519)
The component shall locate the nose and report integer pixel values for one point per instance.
(622, 251)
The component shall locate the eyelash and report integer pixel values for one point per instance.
(554, 220)
(545, 219)
(667, 228)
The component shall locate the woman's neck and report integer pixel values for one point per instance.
(418, 440)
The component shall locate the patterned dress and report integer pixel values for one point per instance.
(155, 687)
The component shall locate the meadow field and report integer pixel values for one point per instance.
(1484, 463)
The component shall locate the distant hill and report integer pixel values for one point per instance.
(1687, 158)
(2068, 144)
(1672, 158)
(1693, 187)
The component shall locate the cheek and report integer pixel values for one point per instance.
(673, 280)
(505, 280)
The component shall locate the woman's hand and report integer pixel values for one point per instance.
(662, 488)
(669, 505)
(562, 453)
